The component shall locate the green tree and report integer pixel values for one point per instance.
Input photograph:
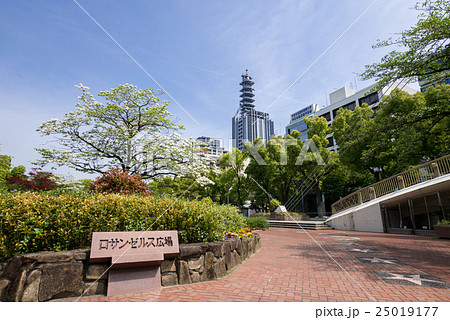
(7, 170)
(324, 159)
(259, 174)
(352, 131)
(131, 130)
(426, 49)
(234, 164)
(407, 129)
(284, 166)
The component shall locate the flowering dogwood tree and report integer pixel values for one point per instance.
(131, 130)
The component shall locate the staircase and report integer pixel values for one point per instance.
(308, 225)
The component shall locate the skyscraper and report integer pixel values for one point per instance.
(249, 124)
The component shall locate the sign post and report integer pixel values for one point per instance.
(135, 258)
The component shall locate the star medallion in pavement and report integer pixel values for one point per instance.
(364, 250)
(380, 260)
(424, 280)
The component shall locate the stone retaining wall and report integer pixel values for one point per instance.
(44, 276)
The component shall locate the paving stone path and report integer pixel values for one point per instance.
(293, 267)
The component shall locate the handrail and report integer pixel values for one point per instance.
(424, 172)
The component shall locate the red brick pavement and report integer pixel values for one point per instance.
(292, 267)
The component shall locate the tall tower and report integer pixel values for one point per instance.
(246, 103)
(249, 124)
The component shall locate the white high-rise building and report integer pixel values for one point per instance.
(345, 98)
(249, 124)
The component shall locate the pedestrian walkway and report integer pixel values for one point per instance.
(336, 266)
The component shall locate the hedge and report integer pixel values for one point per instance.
(257, 223)
(31, 222)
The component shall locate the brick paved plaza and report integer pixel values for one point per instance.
(292, 267)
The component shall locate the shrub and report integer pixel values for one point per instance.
(293, 214)
(443, 223)
(261, 214)
(268, 214)
(116, 180)
(273, 204)
(257, 223)
(37, 180)
(31, 222)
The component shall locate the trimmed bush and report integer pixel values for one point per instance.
(31, 222)
(116, 180)
(257, 223)
(443, 223)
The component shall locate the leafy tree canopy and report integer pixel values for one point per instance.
(426, 48)
(407, 129)
(131, 130)
(7, 170)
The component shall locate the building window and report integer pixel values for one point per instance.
(349, 106)
(369, 99)
(330, 142)
(327, 116)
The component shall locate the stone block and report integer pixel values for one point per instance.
(18, 286)
(251, 246)
(239, 247)
(216, 248)
(4, 283)
(2, 267)
(254, 244)
(227, 252)
(183, 272)
(61, 280)
(234, 243)
(244, 243)
(33, 275)
(209, 259)
(169, 279)
(124, 281)
(196, 263)
(48, 257)
(235, 259)
(195, 277)
(94, 288)
(190, 251)
(31, 292)
(13, 268)
(220, 269)
(257, 244)
(96, 271)
(208, 273)
(81, 255)
(168, 266)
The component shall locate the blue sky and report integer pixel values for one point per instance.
(195, 49)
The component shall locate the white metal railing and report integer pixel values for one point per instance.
(424, 172)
